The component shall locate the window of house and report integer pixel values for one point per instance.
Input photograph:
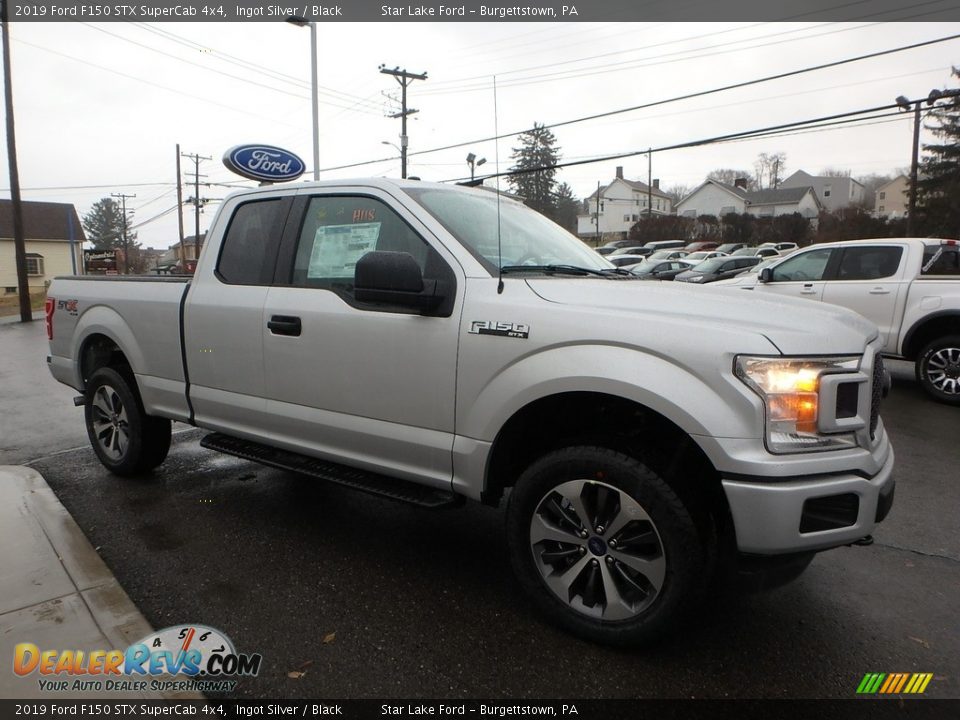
(883, 195)
(601, 206)
(34, 264)
(869, 263)
(626, 218)
(826, 190)
(727, 210)
(881, 208)
(247, 244)
(635, 218)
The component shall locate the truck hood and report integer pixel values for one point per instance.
(794, 326)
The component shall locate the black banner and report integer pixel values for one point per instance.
(479, 11)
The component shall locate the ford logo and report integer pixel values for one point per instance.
(263, 162)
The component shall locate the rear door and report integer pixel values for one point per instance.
(371, 385)
(869, 281)
(802, 275)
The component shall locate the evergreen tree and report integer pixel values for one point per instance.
(938, 186)
(566, 208)
(537, 150)
(104, 226)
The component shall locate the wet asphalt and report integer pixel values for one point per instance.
(423, 604)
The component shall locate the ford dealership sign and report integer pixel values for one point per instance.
(264, 162)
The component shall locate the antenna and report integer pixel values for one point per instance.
(496, 134)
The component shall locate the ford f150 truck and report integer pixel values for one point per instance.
(434, 343)
(910, 288)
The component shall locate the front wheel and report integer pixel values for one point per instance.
(603, 545)
(126, 440)
(938, 369)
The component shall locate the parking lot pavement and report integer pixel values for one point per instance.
(363, 597)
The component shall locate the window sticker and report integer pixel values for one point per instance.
(337, 248)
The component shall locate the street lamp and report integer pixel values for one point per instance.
(905, 104)
(474, 163)
(303, 22)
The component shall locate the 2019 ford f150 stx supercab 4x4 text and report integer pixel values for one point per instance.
(435, 343)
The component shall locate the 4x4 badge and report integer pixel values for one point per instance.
(504, 329)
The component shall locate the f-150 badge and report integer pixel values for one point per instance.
(504, 329)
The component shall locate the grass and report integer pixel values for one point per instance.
(10, 304)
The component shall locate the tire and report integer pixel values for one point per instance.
(126, 440)
(938, 369)
(625, 584)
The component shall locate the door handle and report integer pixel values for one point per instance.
(808, 289)
(879, 291)
(284, 325)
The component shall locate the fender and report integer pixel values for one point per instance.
(909, 335)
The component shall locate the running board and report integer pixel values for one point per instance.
(382, 485)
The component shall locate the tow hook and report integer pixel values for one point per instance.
(865, 541)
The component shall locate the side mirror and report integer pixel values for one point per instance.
(766, 275)
(394, 278)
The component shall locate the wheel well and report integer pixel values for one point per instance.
(932, 328)
(100, 351)
(585, 418)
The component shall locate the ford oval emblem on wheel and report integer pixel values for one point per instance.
(263, 162)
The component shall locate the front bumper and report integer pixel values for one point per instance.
(808, 514)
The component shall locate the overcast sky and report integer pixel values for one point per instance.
(105, 105)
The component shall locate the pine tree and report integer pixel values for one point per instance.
(537, 150)
(938, 186)
(104, 226)
(566, 208)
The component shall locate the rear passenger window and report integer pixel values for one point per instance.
(869, 263)
(249, 247)
(942, 260)
(339, 230)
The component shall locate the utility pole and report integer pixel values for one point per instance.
(126, 246)
(196, 201)
(180, 203)
(404, 78)
(649, 183)
(19, 241)
(597, 213)
(776, 172)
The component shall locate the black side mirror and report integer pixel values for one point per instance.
(394, 278)
(766, 275)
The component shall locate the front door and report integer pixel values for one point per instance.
(801, 275)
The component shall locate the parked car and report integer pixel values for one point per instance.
(659, 269)
(746, 279)
(668, 255)
(702, 255)
(613, 245)
(718, 268)
(760, 252)
(784, 248)
(633, 250)
(624, 260)
(700, 245)
(730, 248)
(910, 288)
(665, 244)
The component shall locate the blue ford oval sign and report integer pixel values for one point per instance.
(263, 162)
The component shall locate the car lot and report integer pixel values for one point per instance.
(423, 603)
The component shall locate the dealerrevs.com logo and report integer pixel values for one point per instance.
(176, 659)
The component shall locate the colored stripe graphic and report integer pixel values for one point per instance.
(894, 683)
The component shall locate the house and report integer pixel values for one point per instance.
(718, 199)
(892, 198)
(53, 236)
(835, 193)
(622, 203)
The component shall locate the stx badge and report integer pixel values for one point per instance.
(504, 329)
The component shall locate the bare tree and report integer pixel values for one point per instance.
(835, 172)
(770, 167)
(729, 176)
(676, 193)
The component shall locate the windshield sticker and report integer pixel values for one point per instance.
(337, 248)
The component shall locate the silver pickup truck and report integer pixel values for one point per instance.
(433, 344)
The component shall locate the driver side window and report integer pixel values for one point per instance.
(808, 266)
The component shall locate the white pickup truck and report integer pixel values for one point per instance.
(434, 343)
(910, 288)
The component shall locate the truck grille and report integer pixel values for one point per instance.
(878, 380)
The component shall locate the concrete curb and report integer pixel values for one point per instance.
(56, 591)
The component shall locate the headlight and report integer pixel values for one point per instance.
(790, 389)
(695, 278)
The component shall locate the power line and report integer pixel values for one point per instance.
(678, 98)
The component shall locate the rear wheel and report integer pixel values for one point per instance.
(126, 440)
(603, 545)
(938, 369)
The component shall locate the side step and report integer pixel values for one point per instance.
(393, 488)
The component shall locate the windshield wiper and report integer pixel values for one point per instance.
(561, 270)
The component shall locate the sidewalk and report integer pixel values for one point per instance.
(56, 591)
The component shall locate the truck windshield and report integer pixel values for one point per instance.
(527, 238)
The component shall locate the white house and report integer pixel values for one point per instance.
(621, 204)
(718, 199)
(892, 200)
(834, 193)
(52, 234)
